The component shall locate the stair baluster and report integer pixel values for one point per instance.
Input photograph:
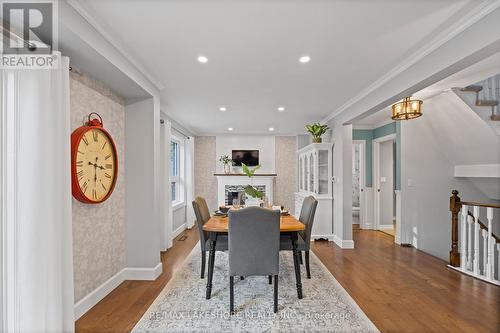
(473, 250)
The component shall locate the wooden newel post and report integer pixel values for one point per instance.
(455, 206)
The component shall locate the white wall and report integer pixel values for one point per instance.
(265, 144)
(448, 133)
(142, 232)
(342, 188)
(387, 187)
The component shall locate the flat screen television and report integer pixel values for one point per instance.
(249, 157)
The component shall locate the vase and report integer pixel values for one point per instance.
(251, 201)
(227, 168)
(316, 140)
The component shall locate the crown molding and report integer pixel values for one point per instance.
(473, 16)
(84, 11)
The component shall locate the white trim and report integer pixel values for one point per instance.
(480, 277)
(363, 212)
(376, 176)
(140, 273)
(478, 170)
(343, 243)
(94, 297)
(179, 230)
(385, 226)
(453, 30)
(178, 205)
(397, 236)
(9, 156)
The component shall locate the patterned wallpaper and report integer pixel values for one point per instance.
(98, 230)
(205, 163)
(286, 168)
(205, 183)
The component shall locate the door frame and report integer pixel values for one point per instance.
(376, 177)
(363, 211)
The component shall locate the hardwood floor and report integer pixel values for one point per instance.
(123, 307)
(400, 289)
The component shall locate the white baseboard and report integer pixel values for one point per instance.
(327, 237)
(94, 297)
(397, 239)
(178, 231)
(386, 226)
(343, 243)
(133, 273)
(367, 226)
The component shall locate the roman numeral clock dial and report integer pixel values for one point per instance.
(94, 162)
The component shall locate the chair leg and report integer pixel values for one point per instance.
(203, 263)
(270, 279)
(308, 268)
(275, 293)
(300, 257)
(231, 295)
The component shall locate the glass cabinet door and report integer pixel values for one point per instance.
(323, 171)
(300, 173)
(311, 172)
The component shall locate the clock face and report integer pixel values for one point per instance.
(95, 165)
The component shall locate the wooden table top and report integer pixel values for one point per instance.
(219, 224)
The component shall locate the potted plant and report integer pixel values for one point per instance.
(254, 196)
(227, 162)
(317, 130)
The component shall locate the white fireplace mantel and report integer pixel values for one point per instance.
(224, 180)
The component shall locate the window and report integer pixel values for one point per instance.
(176, 170)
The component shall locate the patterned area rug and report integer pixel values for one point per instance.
(182, 307)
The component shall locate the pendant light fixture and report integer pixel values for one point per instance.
(407, 109)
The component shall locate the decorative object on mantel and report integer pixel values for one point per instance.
(317, 130)
(227, 162)
(254, 196)
(407, 109)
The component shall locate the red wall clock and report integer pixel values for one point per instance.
(94, 162)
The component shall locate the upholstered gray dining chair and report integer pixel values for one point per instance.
(202, 216)
(304, 240)
(254, 241)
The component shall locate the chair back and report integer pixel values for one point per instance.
(307, 217)
(254, 241)
(202, 214)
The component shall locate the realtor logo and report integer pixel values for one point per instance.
(28, 35)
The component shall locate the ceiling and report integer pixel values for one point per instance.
(253, 49)
(479, 71)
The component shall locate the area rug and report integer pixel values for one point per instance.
(182, 307)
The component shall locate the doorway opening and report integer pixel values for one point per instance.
(384, 177)
(358, 184)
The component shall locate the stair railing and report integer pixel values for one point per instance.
(473, 244)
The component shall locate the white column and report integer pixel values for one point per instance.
(189, 182)
(463, 238)
(489, 261)
(476, 240)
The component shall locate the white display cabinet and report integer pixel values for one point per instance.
(315, 178)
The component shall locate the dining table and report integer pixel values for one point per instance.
(218, 225)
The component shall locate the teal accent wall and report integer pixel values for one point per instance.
(368, 136)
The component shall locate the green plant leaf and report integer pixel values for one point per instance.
(253, 192)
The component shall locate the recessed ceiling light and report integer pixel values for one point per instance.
(229, 128)
(202, 59)
(281, 108)
(271, 129)
(305, 59)
(223, 109)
